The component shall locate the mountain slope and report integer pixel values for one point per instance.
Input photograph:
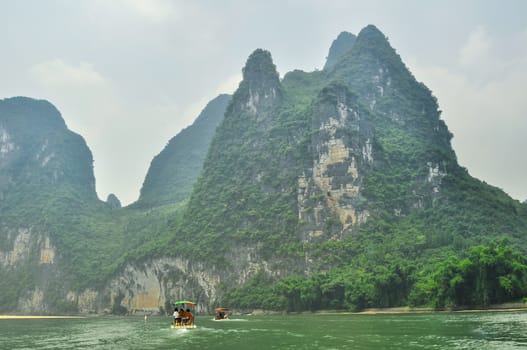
(47, 188)
(38, 153)
(348, 168)
(60, 245)
(242, 173)
(173, 171)
(329, 189)
(343, 43)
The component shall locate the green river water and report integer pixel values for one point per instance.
(482, 330)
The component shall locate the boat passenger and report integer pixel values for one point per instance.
(177, 317)
(190, 316)
(184, 316)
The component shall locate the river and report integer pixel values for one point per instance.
(479, 330)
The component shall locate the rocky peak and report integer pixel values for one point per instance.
(260, 71)
(373, 34)
(22, 112)
(372, 58)
(260, 86)
(342, 44)
(373, 49)
(38, 152)
(113, 201)
(375, 72)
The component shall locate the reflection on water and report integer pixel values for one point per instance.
(502, 330)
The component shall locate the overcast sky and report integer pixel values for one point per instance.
(130, 74)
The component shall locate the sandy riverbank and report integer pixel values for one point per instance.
(16, 317)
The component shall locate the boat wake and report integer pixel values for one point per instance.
(231, 320)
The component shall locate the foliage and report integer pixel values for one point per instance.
(258, 293)
(433, 234)
(245, 194)
(489, 274)
(174, 170)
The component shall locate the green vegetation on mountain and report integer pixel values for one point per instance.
(488, 274)
(332, 189)
(343, 43)
(423, 206)
(175, 169)
(245, 193)
(48, 190)
(34, 163)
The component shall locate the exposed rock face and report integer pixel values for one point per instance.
(146, 288)
(21, 244)
(34, 304)
(24, 248)
(151, 286)
(86, 301)
(20, 250)
(260, 89)
(47, 252)
(113, 201)
(342, 149)
(6, 144)
(404, 113)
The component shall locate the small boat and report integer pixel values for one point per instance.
(184, 310)
(221, 313)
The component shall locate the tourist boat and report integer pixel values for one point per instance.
(221, 313)
(186, 319)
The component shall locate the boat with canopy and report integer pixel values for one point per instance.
(184, 314)
(221, 313)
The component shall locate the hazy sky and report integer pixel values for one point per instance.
(130, 74)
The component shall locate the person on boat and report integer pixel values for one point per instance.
(177, 317)
(184, 316)
(190, 320)
(221, 314)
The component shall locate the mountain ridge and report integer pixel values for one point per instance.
(39, 152)
(334, 189)
(173, 171)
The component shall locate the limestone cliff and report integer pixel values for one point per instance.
(149, 287)
(342, 150)
(22, 243)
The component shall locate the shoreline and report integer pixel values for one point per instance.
(33, 317)
(507, 307)
(402, 310)
(519, 306)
